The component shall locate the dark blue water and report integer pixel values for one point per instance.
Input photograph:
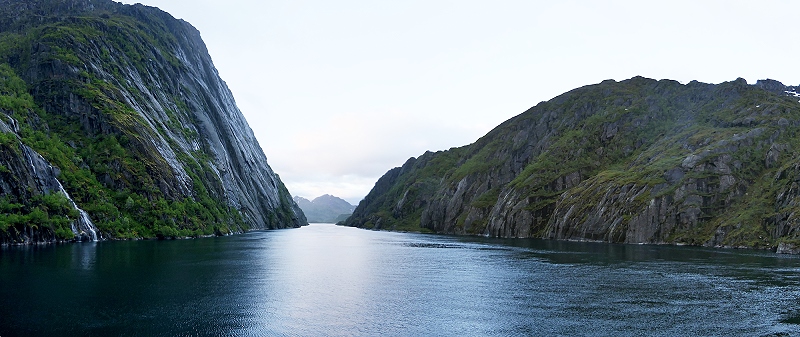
(337, 281)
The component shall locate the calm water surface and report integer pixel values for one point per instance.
(336, 281)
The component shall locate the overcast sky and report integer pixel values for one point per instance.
(339, 92)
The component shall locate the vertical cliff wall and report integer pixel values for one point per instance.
(125, 103)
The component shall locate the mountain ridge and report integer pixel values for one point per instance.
(635, 161)
(325, 208)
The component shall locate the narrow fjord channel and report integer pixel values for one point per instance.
(339, 281)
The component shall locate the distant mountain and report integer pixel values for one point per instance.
(326, 208)
(637, 161)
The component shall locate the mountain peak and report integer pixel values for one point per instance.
(325, 208)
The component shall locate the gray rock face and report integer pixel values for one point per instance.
(788, 248)
(136, 73)
(637, 161)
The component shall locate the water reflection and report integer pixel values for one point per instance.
(84, 255)
(334, 281)
(323, 282)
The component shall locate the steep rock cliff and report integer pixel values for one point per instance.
(124, 102)
(637, 161)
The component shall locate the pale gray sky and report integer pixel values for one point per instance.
(339, 92)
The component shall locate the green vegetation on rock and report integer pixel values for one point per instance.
(637, 161)
(116, 98)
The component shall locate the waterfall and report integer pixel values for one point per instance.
(83, 227)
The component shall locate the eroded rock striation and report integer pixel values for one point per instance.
(123, 108)
(636, 161)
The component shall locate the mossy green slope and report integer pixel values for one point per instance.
(124, 101)
(637, 161)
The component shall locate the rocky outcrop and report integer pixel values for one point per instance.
(156, 145)
(637, 161)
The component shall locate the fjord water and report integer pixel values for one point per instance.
(339, 281)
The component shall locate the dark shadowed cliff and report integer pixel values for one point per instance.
(637, 161)
(116, 124)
